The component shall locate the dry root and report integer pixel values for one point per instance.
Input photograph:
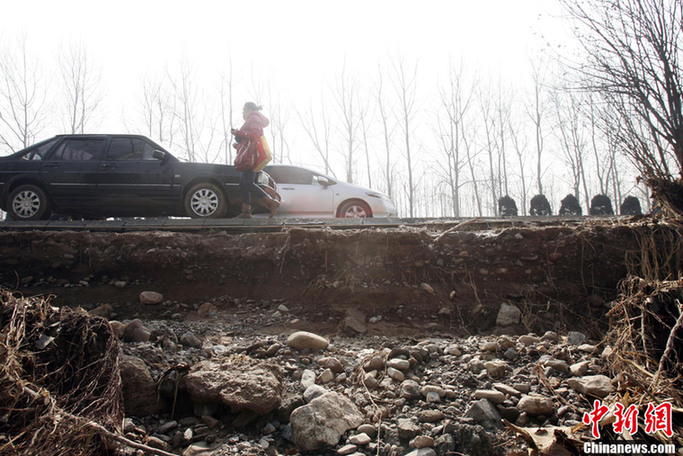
(59, 380)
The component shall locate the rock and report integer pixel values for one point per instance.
(305, 339)
(422, 441)
(427, 288)
(332, 364)
(496, 368)
(360, 439)
(138, 388)
(368, 429)
(422, 452)
(240, 384)
(395, 374)
(550, 336)
(400, 364)
(190, 340)
(410, 389)
(322, 422)
(579, 369)
(536, 405)
(494, 396)
(104, 311)
(528, 339)
(592, 385)
(508, 315)
(206, 310)
(575, 338)
(407, 428)
(505, 389)
(354, 323)
(484, 412)
(151, 297)
(136, 332)
(307, 378)
(117, 328)
(558, 365)
(325, 376)
(313, 392)
(431, 416)
(347, 449)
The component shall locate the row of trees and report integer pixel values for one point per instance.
(452, 151)
(570, 206)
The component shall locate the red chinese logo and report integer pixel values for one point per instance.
(657, 418)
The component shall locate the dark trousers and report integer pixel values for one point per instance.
(248, 187)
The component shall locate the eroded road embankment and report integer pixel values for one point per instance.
(456, 278)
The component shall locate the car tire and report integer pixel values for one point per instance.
(28, 202)
(205, 200)
(354, 209)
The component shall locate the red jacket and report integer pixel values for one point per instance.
(253, 126)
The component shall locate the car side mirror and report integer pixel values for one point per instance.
(324, 181)
(159, 155)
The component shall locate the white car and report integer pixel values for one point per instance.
(307, 193)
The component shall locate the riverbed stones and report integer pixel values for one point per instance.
(320, 423)
(307, 340)
(592, 385)
(238, 383)
(536, 405)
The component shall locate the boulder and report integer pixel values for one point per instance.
(151, 297)
(508, 315)
(321, 423)
(238, 383)
(305, 339)
(138, 388)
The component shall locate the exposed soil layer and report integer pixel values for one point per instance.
(560, 275)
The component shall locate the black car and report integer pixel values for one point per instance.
(116, 176)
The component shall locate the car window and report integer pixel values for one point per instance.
(38, 151)
(291, 176)
(130, 149)
(80, 149)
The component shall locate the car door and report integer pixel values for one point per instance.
(132, 181)
(304, 193)
(70, 173)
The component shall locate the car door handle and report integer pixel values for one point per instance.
(287, 188)
(52, 165)
(108, 165)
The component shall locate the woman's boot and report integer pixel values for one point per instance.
(246, 211)
(272, 204)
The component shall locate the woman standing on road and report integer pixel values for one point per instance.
(254, 123)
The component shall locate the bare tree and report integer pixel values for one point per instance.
(22, 98)
(345, 95)
(81, 82)
(186, 93)
(456, 104)
(405, 86)
(536, 112)
(387, 133)
(631, 58)
(318, 128)
(157, 108)
(226, 104)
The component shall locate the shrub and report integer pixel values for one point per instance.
(601, 205)
(630, 206)
(507, 206)
(540, 206)
(570, 206)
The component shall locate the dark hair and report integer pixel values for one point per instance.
(251, 106)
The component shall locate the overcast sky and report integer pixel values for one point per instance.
(297, 43)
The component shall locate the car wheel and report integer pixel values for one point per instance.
(205, 201)
(28, 202)
(354, 209)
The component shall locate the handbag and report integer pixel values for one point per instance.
(246, 155)
(263, 155)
